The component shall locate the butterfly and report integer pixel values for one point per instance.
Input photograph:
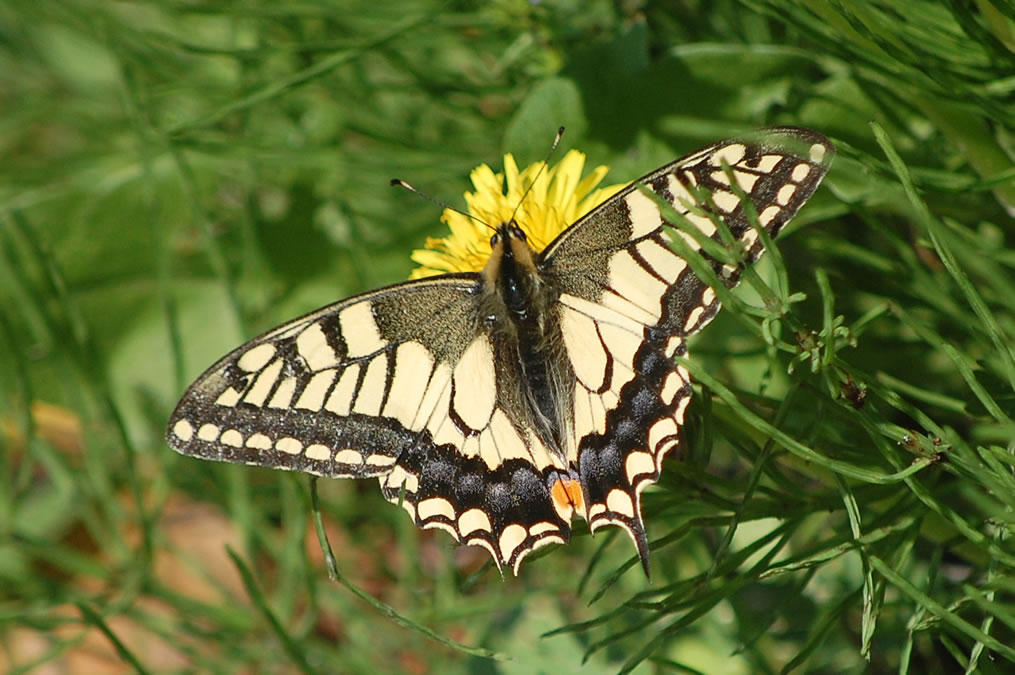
(498, 405)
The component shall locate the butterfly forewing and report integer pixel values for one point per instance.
(336, 393)
(418, 385)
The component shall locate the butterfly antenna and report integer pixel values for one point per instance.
(401, 183)
(546, 163)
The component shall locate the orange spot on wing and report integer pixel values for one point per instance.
(567, 498)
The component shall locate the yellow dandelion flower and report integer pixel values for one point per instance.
(559, 197)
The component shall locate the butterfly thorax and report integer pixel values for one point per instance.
(517, 307)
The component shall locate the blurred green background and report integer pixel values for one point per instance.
(177, 177)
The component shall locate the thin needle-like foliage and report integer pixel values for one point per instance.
(178, 177)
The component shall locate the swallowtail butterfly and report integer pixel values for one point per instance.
(498, 405)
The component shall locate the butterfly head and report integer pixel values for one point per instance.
(511, 269)
(508, 232)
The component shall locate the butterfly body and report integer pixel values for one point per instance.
(521, 325)
(497, 405)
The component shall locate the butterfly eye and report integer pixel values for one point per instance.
(495, 240)
(517, 232)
